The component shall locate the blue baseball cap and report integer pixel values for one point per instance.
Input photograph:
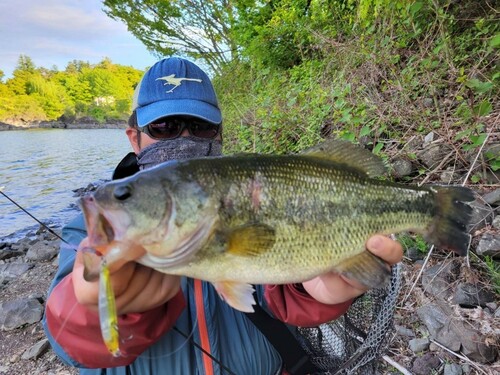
(175, 87)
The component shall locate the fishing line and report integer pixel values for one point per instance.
(30, 215)
(187, 337)
(196, 345)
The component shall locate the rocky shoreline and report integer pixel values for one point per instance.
(26, 271)
(84, 123)
(447, 322)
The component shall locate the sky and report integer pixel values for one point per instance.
(55, 32)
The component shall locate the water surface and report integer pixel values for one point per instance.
(40, 168)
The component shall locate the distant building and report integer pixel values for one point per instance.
(104, 100)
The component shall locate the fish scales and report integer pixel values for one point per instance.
(311, 204)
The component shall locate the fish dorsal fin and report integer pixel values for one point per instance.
(349, 154)
(250, 239)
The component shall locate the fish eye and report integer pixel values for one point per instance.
(122, 192)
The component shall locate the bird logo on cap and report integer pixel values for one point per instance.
(176, 82)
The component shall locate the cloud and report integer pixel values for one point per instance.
(54, 32)
(71, 20)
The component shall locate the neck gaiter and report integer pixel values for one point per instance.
(180, 148)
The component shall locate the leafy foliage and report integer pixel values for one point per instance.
(102, 91)
(371, 71)
(195, 28)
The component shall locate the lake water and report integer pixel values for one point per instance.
(40, 168)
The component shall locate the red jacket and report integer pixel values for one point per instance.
(76, 329)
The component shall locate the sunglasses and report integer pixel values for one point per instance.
(172, 127)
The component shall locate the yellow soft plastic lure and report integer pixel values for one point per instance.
(107, 311)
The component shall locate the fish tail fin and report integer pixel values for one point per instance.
(449, 228)
(367, 269)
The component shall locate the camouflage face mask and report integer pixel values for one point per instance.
(178, 149)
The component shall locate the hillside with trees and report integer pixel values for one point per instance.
(101, 92)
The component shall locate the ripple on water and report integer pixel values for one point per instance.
(40, 168)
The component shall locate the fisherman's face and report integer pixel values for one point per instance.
(140, 140)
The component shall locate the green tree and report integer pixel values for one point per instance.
(23, 73)
(25, 63)
(76, 66)
(195, 28)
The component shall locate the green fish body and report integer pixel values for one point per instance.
(269, 219)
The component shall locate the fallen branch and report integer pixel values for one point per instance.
(419, 273)
(475, 159)
(396, 365)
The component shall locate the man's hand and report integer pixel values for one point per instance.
(332, 288)
(137, 288)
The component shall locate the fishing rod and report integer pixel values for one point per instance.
(196, 345)
(30, 215)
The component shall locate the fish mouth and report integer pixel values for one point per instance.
(99, 229)
(106, 240)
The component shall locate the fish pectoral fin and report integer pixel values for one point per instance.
(237, 295)
(367, 269)
(251, 239)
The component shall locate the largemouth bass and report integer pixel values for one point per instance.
(268, 219)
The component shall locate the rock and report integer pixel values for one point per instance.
(25, 243)
(455, 334)
(489, 244)
(428, 138)
(496, 222)
(452, 369)
(42, 251)
(36, 350)
(14, 314)
(433, 154)
(426, 365)
(89, 188)
(8, 254)
(403, 331)
(435, 319)
(434, 347)
(481, 216)
(11, 271)
(414, 254)
(493, 197)
(4, 369)
(437, 279)
(402, 167)
(449, 175)
(492, 306)
(470, 295)
(419, 345)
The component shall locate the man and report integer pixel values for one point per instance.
(169, 324)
